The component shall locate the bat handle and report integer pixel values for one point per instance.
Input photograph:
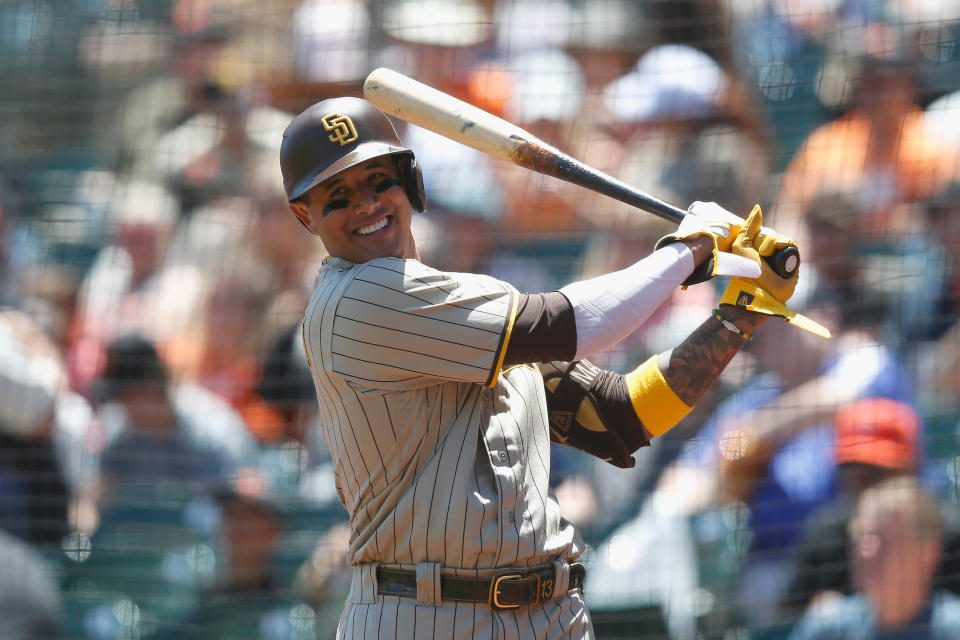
(784, 262)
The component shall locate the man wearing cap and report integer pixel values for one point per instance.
(876, 439)
(440, 392)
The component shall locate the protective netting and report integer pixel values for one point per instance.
(162, 472)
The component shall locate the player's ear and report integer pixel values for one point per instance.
(300, 209)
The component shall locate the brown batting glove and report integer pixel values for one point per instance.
(767, 293)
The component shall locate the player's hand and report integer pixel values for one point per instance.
(767, 293)
(754, 241)
(710, 220)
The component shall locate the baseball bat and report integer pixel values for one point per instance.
(427, 107)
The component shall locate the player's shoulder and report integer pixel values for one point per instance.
(406, 274)
(334, 268)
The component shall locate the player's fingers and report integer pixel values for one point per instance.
(754, 222)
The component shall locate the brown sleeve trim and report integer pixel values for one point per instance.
(545, 330)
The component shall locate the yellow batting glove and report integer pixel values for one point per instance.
(768, 293)
(719, 225)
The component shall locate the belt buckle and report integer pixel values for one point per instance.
(494, 599)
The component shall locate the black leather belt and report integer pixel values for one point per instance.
(507, 589)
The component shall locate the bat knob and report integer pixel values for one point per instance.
(785, 262)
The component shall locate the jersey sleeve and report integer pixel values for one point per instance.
(398, 324)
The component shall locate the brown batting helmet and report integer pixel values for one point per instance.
(334, 135)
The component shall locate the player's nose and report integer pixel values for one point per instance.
(368, 200)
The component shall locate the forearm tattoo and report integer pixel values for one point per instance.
(697, 362)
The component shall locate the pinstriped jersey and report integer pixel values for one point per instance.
(439, 456)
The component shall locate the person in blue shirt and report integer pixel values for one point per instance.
(769, 446)
(154, 452)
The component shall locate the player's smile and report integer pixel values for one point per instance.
(379, 225)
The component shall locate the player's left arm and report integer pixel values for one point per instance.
(611, 415)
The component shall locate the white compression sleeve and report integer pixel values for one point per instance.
(610, 307)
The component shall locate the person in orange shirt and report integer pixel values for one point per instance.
(881, 152)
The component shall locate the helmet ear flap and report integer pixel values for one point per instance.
(412, 179)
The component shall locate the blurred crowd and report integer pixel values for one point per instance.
(161, 469)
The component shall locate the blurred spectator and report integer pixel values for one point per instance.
(200, 125)
(460, 180)
(943, 228)
(324, 579)
(213, 154)
(881, 153)
(831, 253)
(49, 294)
(690, 134)
(155, 453)
(779, 50)
(891, 281)
(296, 462)
(607, 37)
(895, 545)
(248, 598)
(769, 445)
(524, 26)
(605, 43)
(938, 365)
(177, 91)
(31, 606)
(224, 351)
(546, 96)
(876, 439)
(33, 491)
(436, 42)
(541, 233)
(331, 40)
(119, 293)
(711, 33)
(277, 240)
(251, 529)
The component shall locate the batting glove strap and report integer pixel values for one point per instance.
(750, 296)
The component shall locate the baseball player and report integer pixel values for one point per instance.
(441, 392)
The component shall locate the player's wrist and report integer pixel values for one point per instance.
(745, 319)
(700, 245)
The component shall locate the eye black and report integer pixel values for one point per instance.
(385, 184)
(333, 205)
